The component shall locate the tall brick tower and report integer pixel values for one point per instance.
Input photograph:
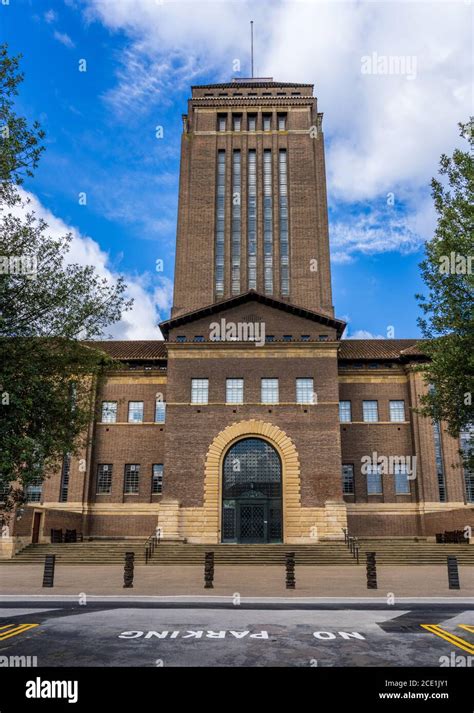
(252, 201)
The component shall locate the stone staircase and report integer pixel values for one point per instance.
(388, 552)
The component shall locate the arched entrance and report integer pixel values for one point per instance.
(252, 493)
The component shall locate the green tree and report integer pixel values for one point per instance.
(447, 271)
(49, 308)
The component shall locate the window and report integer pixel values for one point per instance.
(199, 391)
(157, 478)
(132, 474)
(465, 442)
(252, 122)
(220, 224)
(234, 391)
(305, 337)
(345, 415)
(33, 490)
(181, 338)
(374, 480)
(160, 411)
(236, 222)
(267, 222)
(281, 122)
(402, 484)
(304, 391)
(252, 220)
(109, 411)
(283, 206)
(104, 478)
(323, 337)
(237, 122)
(370, 411)
(199, 338)
(135, 411)
(269, 337)
(267, 122)
(348, 479)
(65, 473)
(439, 462)
(287, 337)
(397, 410)
(221, 122)
(269, 391)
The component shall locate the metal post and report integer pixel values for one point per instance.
(357, 553)
(453, 572)
(128, 570)
(371, 571)
(209, 570)
(290, 570)
(48, 575)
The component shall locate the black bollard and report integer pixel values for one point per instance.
(453, 573)
(371, 571)
(128, 570)
(209, 570)
(290, 570)
(48, 576)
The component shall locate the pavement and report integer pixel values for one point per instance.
(269, 581)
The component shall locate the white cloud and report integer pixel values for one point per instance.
(64, 39)
(152, 301)
(50, 16)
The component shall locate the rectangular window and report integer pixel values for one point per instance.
(65, 473)
(199, 338)
(132, 475)
(104, 478)
(348, 479)
(283, 206)
(157, 479)
(252, 220)
(135, 411)
(236, 222)
(287, 337)
(345, 415)
(109, 411)
(181, 338)
(465, 442)
(439, 462)
(397, 410)
(33, 490)
(267, 122)
(270, 391)
(304, 391)
(374, 480)
(267, 222)
(402, 484)
(281, 122)
(234, 391)
(252, 122)
(220, 224)
(160, 411)
(237, 122)
(370, 411)
(221, 122)
(199, 391)
(305, 337)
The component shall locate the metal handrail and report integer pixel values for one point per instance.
(151, 543)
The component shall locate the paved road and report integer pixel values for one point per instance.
(145, 634)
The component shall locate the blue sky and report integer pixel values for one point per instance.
(384, 132)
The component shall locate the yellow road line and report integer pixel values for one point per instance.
(468, 627)
(448, 636)
(20, 629)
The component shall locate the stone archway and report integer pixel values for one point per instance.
(290, 472)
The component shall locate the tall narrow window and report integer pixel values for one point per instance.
(267, 222)
(157, 479)
(348, 479)
(252, 220)
(281, 122)
(465, 439)
(236, 222)
(220, 224)
(345, 415)
(221, 122)
(234, 391)
(132, 475)
(65, 472)
(135, 411)
(270, 393)
(304, 391)
(370, 411)
(160, 411)
(252, 122)
(199, 391)
(374, 480)
(104, 478)
(284, 247)
(267, 122)
(236, 122)
(402, 484)
(439, 462)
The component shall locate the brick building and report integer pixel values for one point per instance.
(254, 421)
